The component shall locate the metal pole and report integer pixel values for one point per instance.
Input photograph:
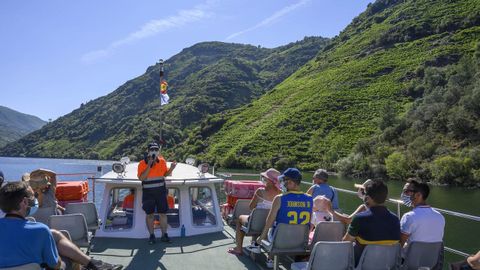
(160, 100)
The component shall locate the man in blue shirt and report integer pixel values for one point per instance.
(291, 207)
(32, 242)
(17, 199)
(320, 187)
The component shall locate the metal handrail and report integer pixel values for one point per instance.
(399, 203)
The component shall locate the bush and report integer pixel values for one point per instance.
(448, 169)
(397, 166)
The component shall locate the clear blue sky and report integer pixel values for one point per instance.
(56, 54)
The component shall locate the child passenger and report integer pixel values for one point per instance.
(320, 213)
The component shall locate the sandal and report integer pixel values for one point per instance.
(234, 251)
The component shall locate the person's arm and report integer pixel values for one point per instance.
(405, 228)
(310, 190)
(254, 200)
(173, 164)
(403, 238)
(474, 261)
(144, 170)
(50, 254)
(352, 231)
(272, 215)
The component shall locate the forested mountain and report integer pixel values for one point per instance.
(204, 79)
(395, 94)
(14, 125)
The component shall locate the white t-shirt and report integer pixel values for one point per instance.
(319, 216)
(423, 224)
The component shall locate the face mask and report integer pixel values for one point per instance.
(32, 207)
(153, 153)
(407, 200)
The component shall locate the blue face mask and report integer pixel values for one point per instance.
(407, 200)
(32, 207)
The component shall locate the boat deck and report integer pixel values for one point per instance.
(206, 251)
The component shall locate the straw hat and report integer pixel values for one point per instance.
(272, 175)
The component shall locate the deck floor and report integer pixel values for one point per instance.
(208, 251)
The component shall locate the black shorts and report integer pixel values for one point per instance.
(154, 200)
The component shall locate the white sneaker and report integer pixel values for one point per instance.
(269, 263)
(254, 248)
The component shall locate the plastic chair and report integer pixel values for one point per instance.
(43, 213)
(242, 207)
(328, 231)
(30, 266)
(422, 254)
(76, 225)
(288, 239)
(328, 256)
(88, 210)
(256, 222)
(380, 257)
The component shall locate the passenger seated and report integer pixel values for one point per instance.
(321, 187)
(320, 213)
(291, 207)
(44, 183)
(377, 225)
(262, 198)
(32, 242)
(128, 205)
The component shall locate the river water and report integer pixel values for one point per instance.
(460, 234)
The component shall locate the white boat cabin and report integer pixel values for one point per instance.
(192, 200)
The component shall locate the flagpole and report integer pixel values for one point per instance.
(160, 100)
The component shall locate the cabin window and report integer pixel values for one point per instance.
(121, 209)
(173, 215)
(203, 206)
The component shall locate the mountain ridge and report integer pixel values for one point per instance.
(14, 124)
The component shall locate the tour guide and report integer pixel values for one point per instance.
(151, 171)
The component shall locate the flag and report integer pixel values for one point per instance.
(164, 98)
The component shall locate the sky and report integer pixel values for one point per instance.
(56, 54)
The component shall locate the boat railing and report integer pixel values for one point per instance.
(398, 203)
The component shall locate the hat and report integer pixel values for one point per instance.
(36, 180)
(321, 174)
(272, 175)
(292, 173)
(153, 145)
(368, 181)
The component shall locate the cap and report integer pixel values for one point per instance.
(321, 174)
(368, 181)
(272, 175)
(153, 145)
(292, 173)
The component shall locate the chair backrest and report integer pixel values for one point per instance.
(380, 257)
(75, 224)
(328, 231)
(43, 213)
(242, 207)
(332, 256)
(422, 254)
(290, 237)
(257, 220)
(88, 210)
(30, 266)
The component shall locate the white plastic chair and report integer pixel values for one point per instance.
(422, 254)
(331, 231)
(242, 207)
(43, 213)
(76, 225)
(328, 256)
(88, 210)
(380, 257)
(256, 222)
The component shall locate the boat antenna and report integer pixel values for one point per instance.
(160, 141)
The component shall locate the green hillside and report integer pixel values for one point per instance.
(14, 125)
(375, 73)
(204, 79)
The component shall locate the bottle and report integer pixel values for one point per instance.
(182, 231)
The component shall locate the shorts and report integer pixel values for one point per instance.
(154, 200)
